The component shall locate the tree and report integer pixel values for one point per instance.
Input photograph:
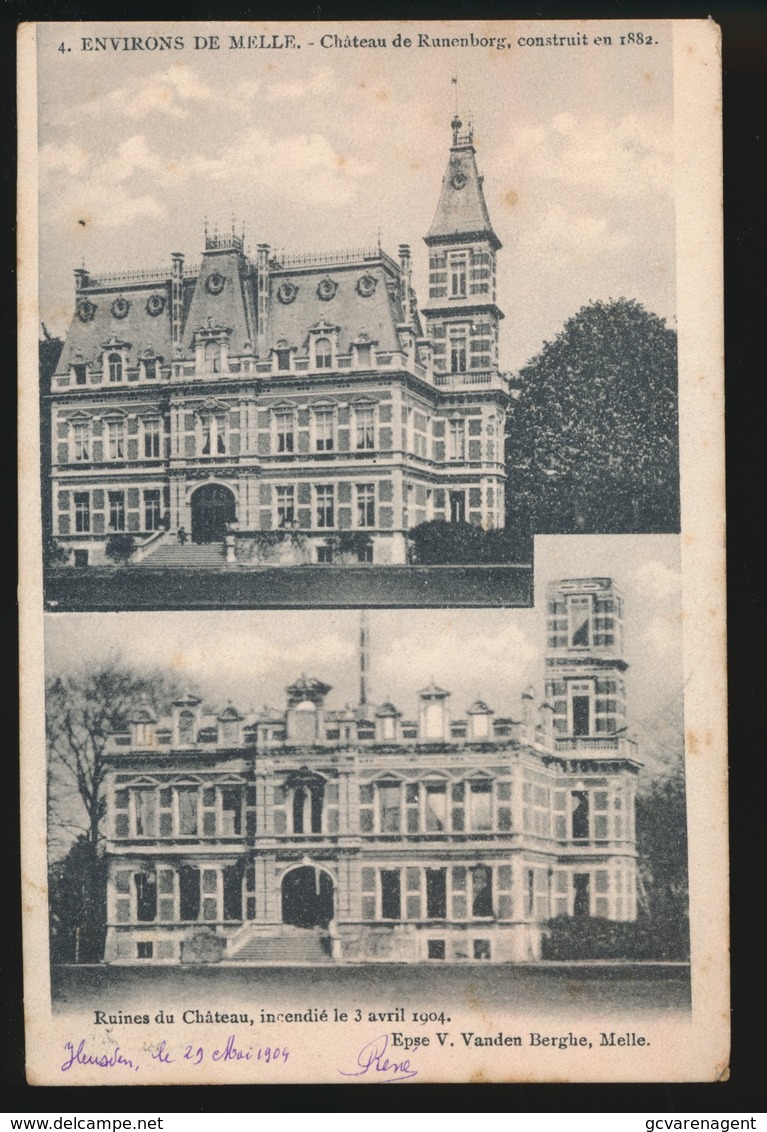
(592, 440)
(661, 824)
(82, 711)
(439, 543)
(120, 548)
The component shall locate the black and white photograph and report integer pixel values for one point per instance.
(375, 594)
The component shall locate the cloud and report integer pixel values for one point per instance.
(663, 635)
(173, 92)
(658, 580)
(622, 159)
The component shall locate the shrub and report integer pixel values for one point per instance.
(120, 548)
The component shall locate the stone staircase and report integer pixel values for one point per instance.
(171, 555)
(291, 945)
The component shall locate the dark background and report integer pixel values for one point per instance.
(745, 135)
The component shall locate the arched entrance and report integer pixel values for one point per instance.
(307, 897)
(212, 508)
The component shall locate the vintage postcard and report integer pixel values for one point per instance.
(373, 664)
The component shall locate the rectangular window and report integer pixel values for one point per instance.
(151, 440)
(82, 512)
(581, 707)
(436, 807)
(81, 441)
(325, 555)
(213, 436)
(323, 430)
(481, 801)
(324, 495)
(436, 894)
(579, 618)
(144, 950)
(364, 417)
(456, 448)
(457, 507)
(116, 440)
(145, 804)
(389, 807)
(152, 511)
(391, 896)
(458, 350)
(366, 508)
(146, 896)
(457, 276)
(187, 810)
(481, 891)
(481, 948)
(435, 948)
(579, 803)
(286, 508)
(117, 510)
(283, 423)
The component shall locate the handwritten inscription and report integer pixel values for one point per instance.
(372, 1059)
(163, 1054)
(81, 1056)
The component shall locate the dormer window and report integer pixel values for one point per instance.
(323, 353)
(212, 357)
(115, 367)
(149, 366)
(80, 373)
(186, 727)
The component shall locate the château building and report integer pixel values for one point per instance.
(285, 407)
(314, 833)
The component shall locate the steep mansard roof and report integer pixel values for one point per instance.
(360, 295)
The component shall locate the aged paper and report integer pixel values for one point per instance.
(310, 795)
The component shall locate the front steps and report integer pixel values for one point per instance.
(290, 945)
(172, 555)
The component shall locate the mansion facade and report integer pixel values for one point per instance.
(286, 403)
(311, 833)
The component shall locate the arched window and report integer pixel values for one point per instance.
(307, 808)
(323, 353)
(115, 364)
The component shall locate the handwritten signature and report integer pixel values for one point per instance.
(372, 1057)
(80, 1056)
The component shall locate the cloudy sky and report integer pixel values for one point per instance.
(250, 657)
(319, 149)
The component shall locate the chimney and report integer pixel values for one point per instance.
(405, 283)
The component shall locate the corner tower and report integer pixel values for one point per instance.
(462, 317)
(584, 658)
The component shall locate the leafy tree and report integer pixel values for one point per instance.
(439, 543)
(54, 554)
(592, 440)
(82, 711)
(120, 548)
(77, 905)
(661, 824)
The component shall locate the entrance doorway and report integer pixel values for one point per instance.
(307, 898)
(212, 508)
